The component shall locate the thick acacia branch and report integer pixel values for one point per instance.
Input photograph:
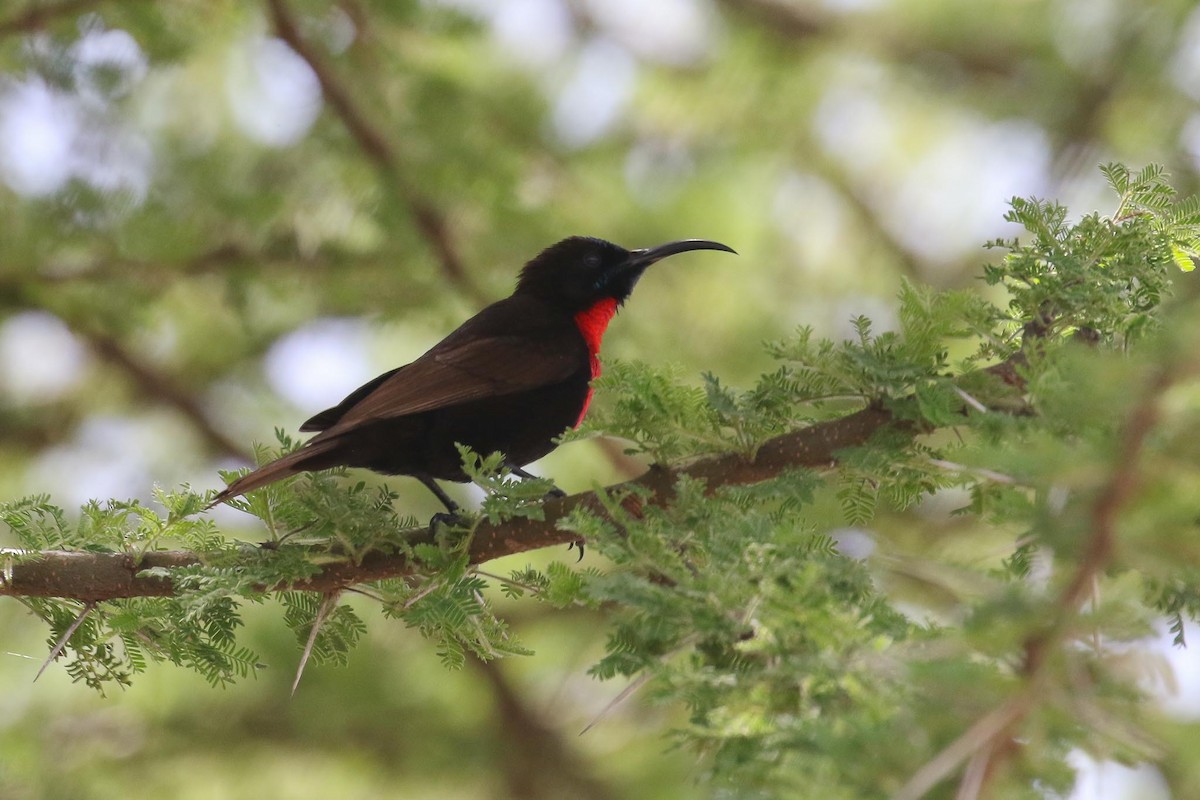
(110, 576)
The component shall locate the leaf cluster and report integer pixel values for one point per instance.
(1103, 275)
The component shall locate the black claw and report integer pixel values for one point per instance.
(573, 545)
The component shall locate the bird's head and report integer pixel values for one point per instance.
(579, 271)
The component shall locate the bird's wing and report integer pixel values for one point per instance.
(458, 371)
(330, 416)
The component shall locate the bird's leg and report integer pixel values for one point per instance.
(453, 515)
(554, 492)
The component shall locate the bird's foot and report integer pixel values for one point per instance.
(448, 519)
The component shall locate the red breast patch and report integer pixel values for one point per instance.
(592, 322)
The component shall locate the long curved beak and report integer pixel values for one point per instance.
(647, 256)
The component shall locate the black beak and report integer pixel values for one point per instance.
(640, 259)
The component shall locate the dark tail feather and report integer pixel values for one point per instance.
(295, 462)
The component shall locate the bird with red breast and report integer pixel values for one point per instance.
(511, 379)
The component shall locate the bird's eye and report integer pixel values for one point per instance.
(591, 260)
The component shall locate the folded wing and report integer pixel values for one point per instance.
(455, 373)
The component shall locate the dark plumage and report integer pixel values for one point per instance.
(511, 378)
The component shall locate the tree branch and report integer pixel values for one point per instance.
(536, 760)
(159, 387)
(993, 738)
(279, 254)
(37, 16)
(796, 22)
(109, 576)
(149, 382)
(426, 217)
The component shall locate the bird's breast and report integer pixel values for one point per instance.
(592, 322)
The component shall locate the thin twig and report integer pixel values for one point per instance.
(536, 760)
(359, 590)
(328, 604)
(962, 748)
(989, 474)
(66, 637)
(276, 255)
(150, 382)
(638, 682)
(416, 598)
(624, 694)
(860, 201)
(507, 581)
(971, 401)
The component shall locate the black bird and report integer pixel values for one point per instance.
(510, 379)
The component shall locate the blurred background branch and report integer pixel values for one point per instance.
(39, 14)
(427, 219)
